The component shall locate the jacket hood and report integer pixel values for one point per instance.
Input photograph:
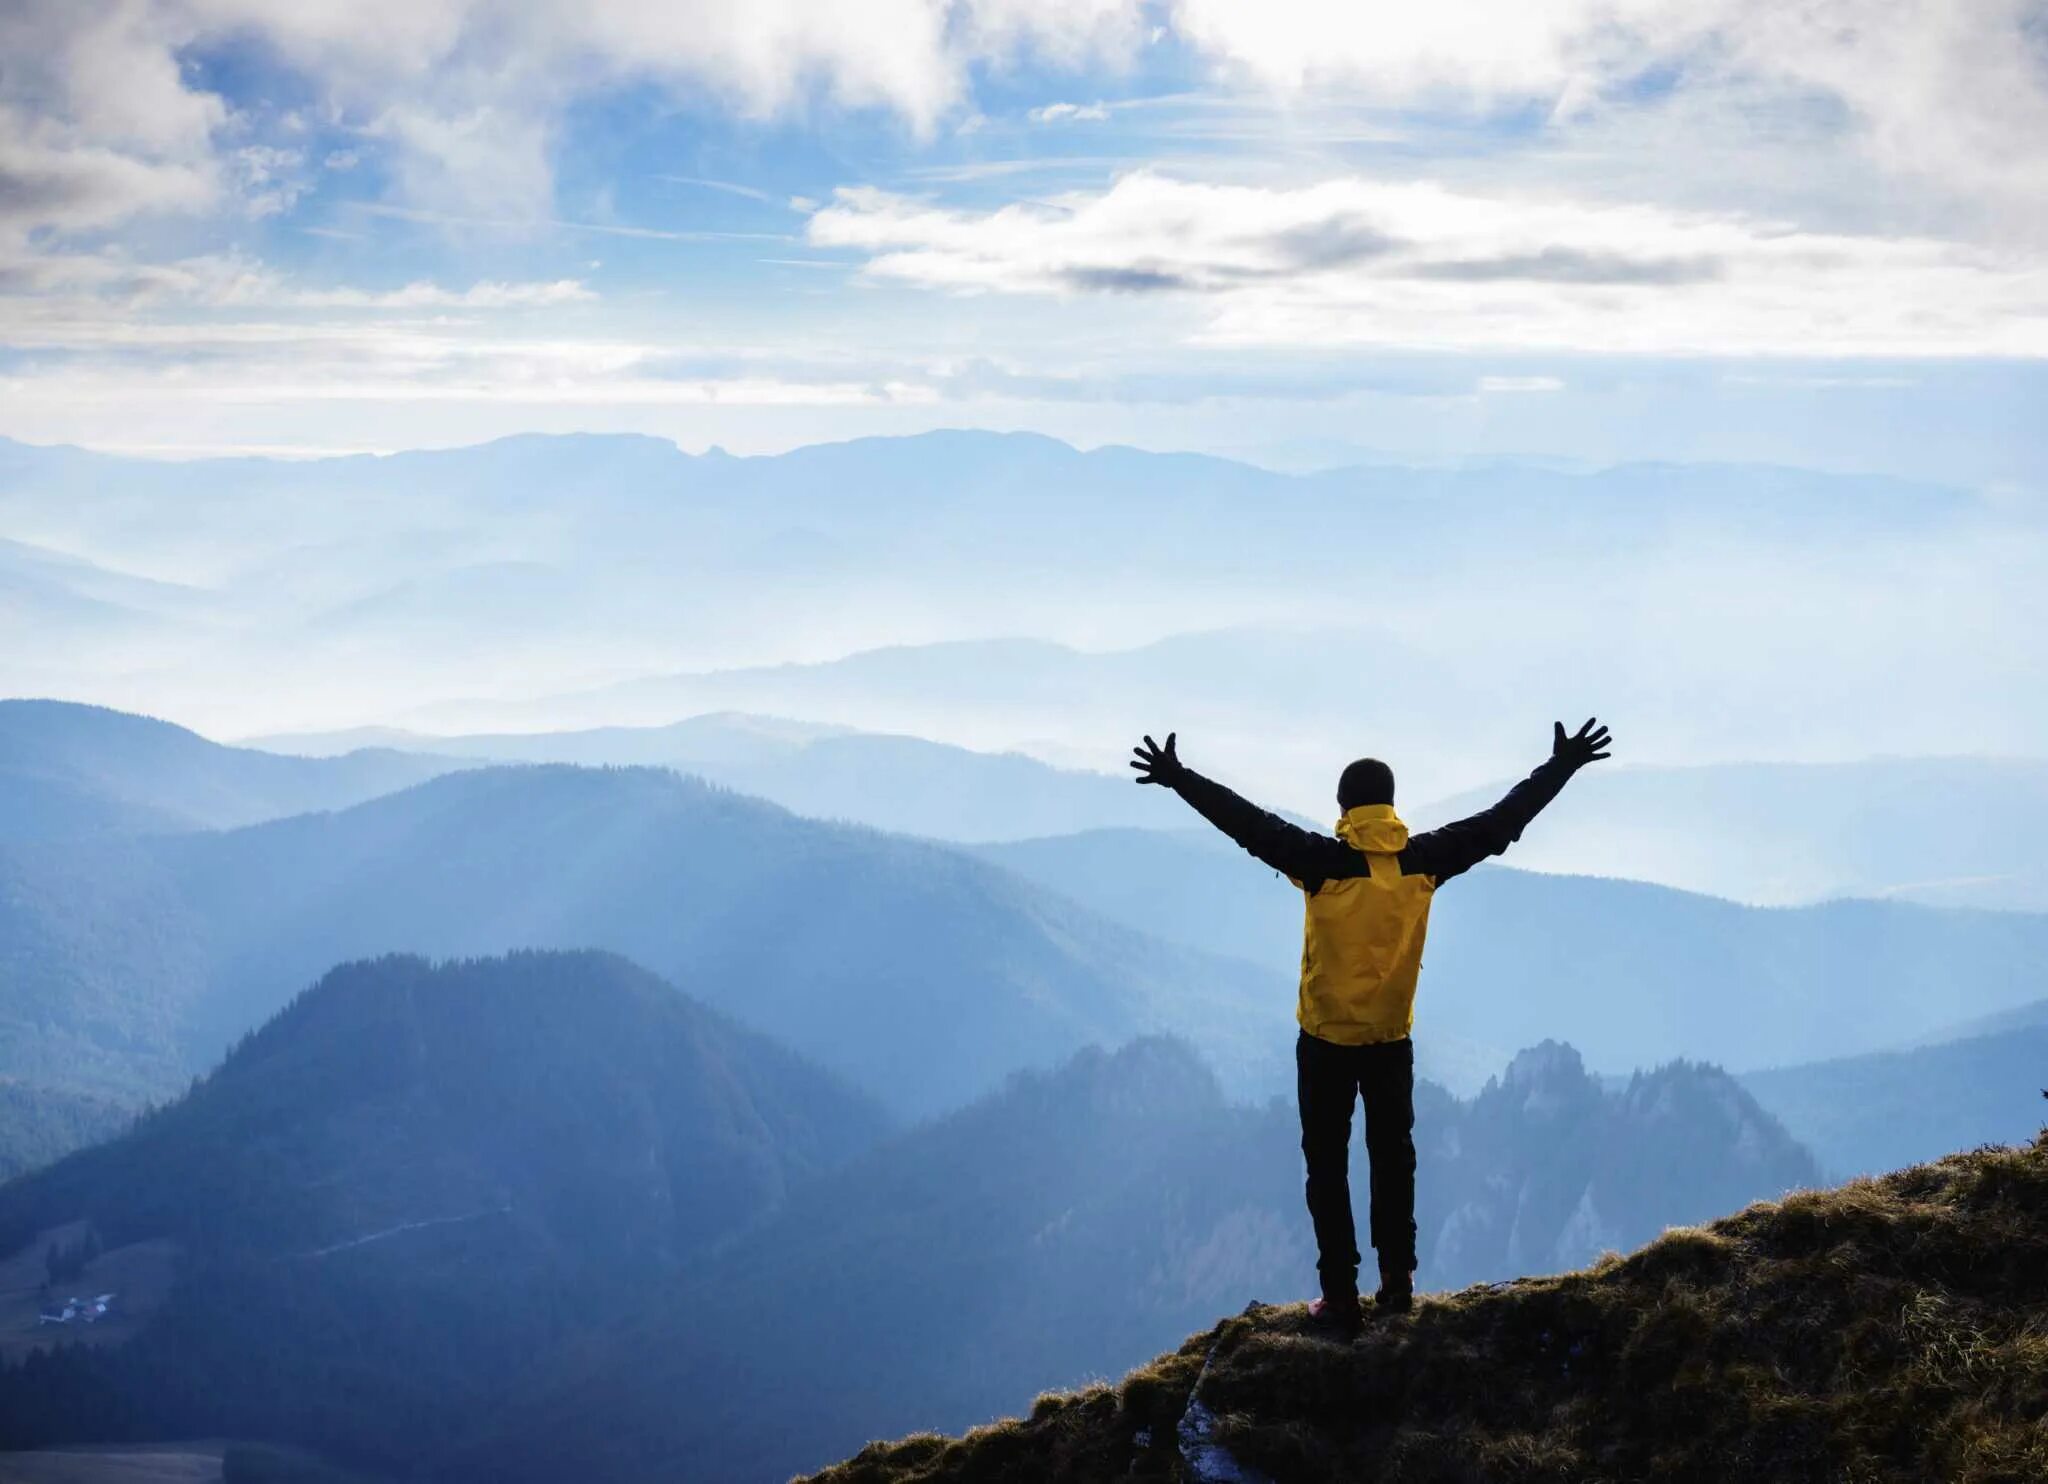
(1374, 827)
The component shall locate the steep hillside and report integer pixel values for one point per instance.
(1865, 1114)
(1631, 974)
(1889, 1330)
(1073, 1224)
(470, 1165)
(68, 770)
(890, 782)
(918, 972)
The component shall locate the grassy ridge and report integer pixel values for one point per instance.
(1889, 1329)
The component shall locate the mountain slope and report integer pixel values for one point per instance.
(1075, 1222)
(68, 770)
(464, 1163)
(1888, 1330)
(1863, 1114)
(921, 974)
(1630, 973)
(39, 1124)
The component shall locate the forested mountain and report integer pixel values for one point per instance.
(1867, 1114)
(477, 1165)
(1631, 974)
(920, 973)
(1069, 1225)
(889, 782)
(1948, 831)
(69, 770)
(38, 1124)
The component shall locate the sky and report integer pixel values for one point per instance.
(1301, 233)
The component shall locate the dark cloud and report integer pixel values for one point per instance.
(1336, 243)
(1573, 265)
(1136, 279)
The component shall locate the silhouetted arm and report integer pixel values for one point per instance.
(1307, 858)
(1457, 848)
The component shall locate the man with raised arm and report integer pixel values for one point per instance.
(1368, 889)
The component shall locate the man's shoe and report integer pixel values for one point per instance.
(1396, 1295)
(1336, 1315)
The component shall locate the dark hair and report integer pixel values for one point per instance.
(1367, 781)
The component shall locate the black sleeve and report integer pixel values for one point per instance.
(1304, 856)
(1457, 848)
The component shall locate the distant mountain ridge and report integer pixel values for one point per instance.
(541, 567)
(1863, 1115)
(891, 782)
(69, 770)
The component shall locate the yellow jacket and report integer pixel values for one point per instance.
(1361, 949)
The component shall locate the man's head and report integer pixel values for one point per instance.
(1367, 781)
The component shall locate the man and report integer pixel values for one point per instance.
(1368, 890)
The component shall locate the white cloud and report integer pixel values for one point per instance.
(1069, 113)
(466, 93)
(468, 96)
(82, 288)
(422, 295)
(1359, 261)
(1520, 384)
(271, 179)
(289, 358)
(1952, 97)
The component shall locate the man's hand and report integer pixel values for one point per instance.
(1587, 745)
(1156, 764)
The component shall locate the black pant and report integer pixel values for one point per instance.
(1328, 1077)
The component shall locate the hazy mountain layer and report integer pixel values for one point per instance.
(920, 973)
(1950, 831)
(1865, 1114)
(889, 782)
(1696, 604)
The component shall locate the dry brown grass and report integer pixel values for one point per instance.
(1888, 1330)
